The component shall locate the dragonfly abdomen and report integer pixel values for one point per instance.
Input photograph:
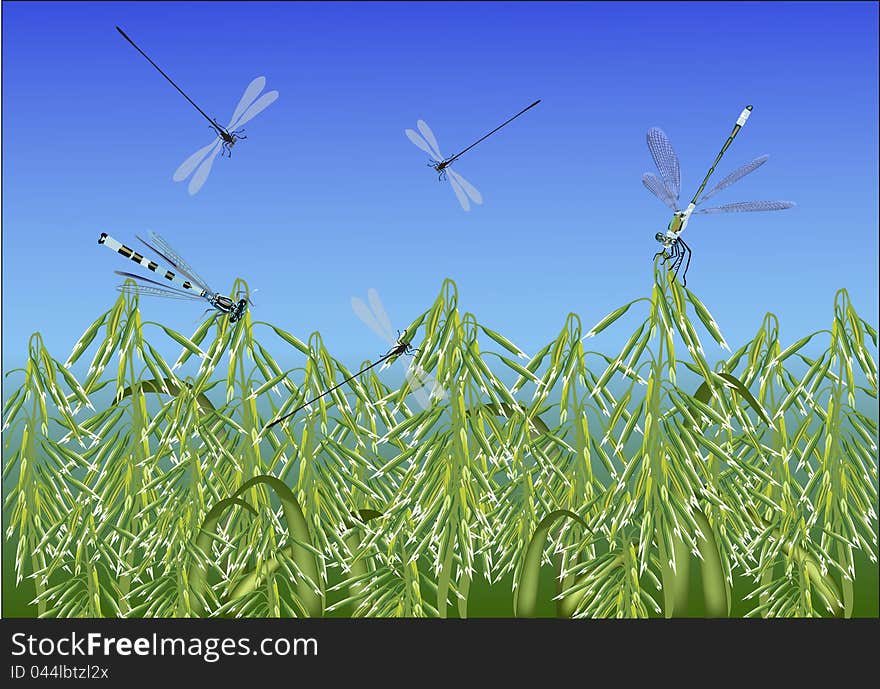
(133, 255)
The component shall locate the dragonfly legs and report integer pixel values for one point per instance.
(206, 312)
(246, 296)
(441, 171)
(685, 253)
(402, 347)
(679, 252)
(235, 136)
(409, 348)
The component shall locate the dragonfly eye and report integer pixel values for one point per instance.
(659, 237)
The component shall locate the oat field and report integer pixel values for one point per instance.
(151, 488)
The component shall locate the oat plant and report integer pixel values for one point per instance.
(138, 486)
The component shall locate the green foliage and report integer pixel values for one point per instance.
(624, 472)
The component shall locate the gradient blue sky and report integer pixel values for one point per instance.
(327, 197)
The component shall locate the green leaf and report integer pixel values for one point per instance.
(183, 341)
(609, 319)
(167, 386)
(704, 394)
(504, 342)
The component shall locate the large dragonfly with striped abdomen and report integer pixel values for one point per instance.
(187, 283)
(667, 188)
(249, 106)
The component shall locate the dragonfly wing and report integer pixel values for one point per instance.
(164, 292)
(421, 384)
(250, 95)
(735, 176)
(188, 165)
(163, 249)
(469, 188)
(159, 291)
(665, 160)
(658, 187)
(748, 206)
(380, 312)
(420, 142)
(430, 138)
(361, 311)
(201, 175)
(261, 104)
(459, 192)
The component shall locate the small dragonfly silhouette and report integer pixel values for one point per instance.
(248, 107)
(464, 190)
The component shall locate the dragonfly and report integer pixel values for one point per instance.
(188, 284)
(423, 385)
(249, 106)
(464, 190)
(667, 188)
(377, 320)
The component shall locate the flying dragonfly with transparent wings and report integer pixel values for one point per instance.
(464, 190)
(667, 188)
(188, 284)
(202, 160)
(423, 385)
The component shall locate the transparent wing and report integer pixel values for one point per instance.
(429, 137)
(420, 142)
(657, 187)
(163, 249)
(424, 386)
(159, 291)
(202, 173)
(379, 311)
(361, 311)
(261, 104)
(746, 206)
(459, 192)
(249, 96)
(188, 165)
(735, 176)
(469, 188)
(665, 160)
(164, 292)
(419, 391)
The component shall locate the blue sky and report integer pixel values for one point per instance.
(327, 197)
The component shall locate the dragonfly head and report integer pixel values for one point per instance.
(238, 310)
(440, 166)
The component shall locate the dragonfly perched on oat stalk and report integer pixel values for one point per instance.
(422, 384)
(249, 106)
(464, 190)
(187, 283)
(667, 188)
